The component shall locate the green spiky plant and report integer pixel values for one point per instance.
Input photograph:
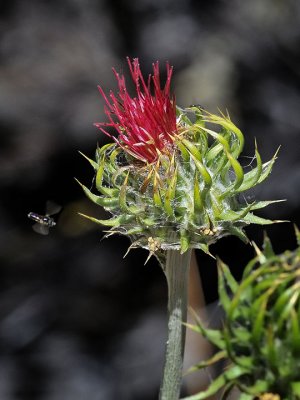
(171, 182)
(261, 332)
(190, 190)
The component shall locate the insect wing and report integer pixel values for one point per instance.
(41, 229)
(52, 208)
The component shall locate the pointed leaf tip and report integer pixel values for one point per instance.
(297, 233)
(267, 246)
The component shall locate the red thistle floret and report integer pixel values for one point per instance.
(146, 124)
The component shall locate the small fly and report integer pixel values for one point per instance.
(44, 222)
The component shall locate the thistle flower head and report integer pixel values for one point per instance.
(172, 178)
(261, 330)
(145, 124)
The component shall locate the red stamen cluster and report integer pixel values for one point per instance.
(146, 124)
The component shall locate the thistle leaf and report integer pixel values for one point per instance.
(192, 149)
(123, 200)
(254, 219)
(267, 167)
(170, 194)
(286, 312)
(213, 335)
(106, 202)
(205, 248)
(258, 326)
(216, 385)
(239, 173)
(204, 364)
(92, 162)
(230, 215)
(227, 124)
(267, 247)
(229, 375)
(233, 230)
(297, 232)
(225, 272)
(260, 386)
(184, 241)
(184, 152)
(214, 151)
(295, 331)
(113, 222)
(262, 204)
(156, 192)
(251, 180)
(219, 138)
(205, 175)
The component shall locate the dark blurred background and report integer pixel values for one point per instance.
(77, 320)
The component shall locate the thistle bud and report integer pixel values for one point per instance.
(171, 179)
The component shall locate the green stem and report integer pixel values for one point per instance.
(177, 274)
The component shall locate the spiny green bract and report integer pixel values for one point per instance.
(192, 189)
(261, 332)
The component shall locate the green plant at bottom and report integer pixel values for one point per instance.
(261, 332)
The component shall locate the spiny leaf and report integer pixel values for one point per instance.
(230, 215)
(156, 192)
(225, 272)
(252, 180)
(216, 385)
(192, 149)
(92, 162)
(267, 247)
(260, 255)
(206, 363)
(205, 248)
(198, 203)
(205, 175)
(219, 138)
(184, 241)
(229, 375)
(114, 222)
(107, 203)
(297, 232)
(104, 149)
(214, 151)
(267, 167)
(226, 123)
(213, 335)
(254, 219)
(286, 312)
(184, 152)
(262, 204)
(260, 386)
(124, 207)
(258, 327)
(233, 230)
(170, 194)
(106, 191)
(283, 300)
(238, 170)
(295, 331)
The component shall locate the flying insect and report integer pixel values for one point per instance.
(45, 222)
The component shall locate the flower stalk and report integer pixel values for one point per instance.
(177, 274)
